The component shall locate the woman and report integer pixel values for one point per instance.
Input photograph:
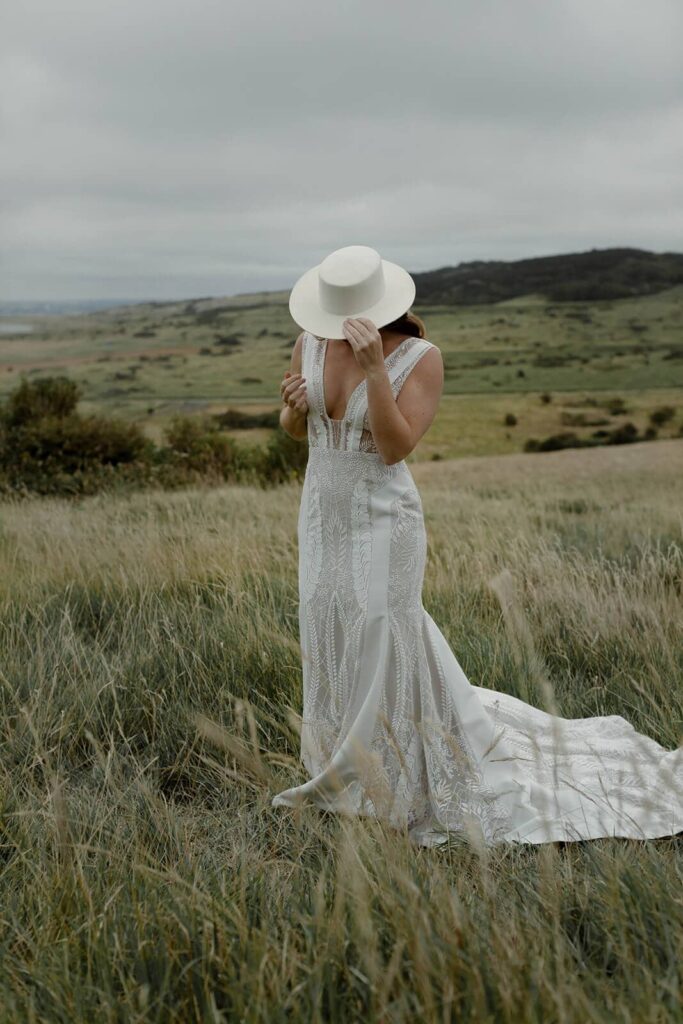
(391, 726)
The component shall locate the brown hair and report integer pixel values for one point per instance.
(409, 323)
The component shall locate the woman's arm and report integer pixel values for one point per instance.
(396, 424)
(294, 413)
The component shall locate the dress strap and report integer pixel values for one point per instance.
(398, 364)
(312, 352)
(415, 349)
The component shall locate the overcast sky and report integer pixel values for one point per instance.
(159, 149)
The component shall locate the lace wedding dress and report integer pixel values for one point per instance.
(391, 727)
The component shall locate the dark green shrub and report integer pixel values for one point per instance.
(625, 434)
(235, 418)
(283, 458)
(662, 415)
(31, 400)
(196, 444)
(46, 447)
(556, 442)
(510, 419)
(73, 442)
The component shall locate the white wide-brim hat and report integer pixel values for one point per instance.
(350, 282)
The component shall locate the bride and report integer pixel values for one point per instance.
(391, 727)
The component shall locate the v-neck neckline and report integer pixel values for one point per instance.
(340, 419)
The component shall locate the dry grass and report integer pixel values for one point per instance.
(149, 657)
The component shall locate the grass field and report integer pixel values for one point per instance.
(150, 685)
(148, 362)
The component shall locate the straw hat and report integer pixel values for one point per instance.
(351, 282)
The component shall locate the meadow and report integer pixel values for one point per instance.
(539, 362)
(150, 685)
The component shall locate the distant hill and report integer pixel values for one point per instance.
(596, 274)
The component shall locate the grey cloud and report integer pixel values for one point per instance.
(158, 150)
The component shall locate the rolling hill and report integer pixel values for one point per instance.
(582, 276)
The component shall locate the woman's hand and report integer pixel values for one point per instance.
(293, 391)
(366, 342)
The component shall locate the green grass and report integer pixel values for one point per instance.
(519, 348)
(150, 686)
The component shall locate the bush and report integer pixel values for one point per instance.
(235, 418)
(70, 454)
(283, 459)
(197, 445)
(555, 442)
(625, 434)
(46, 447)
(32, 400)
(662, 415)
(510, 419)
(546, 398)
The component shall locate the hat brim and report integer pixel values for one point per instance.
(306, 311)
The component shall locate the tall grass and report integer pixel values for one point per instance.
(150, 688)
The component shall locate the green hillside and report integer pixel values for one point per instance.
(596, 274)
(148, 361)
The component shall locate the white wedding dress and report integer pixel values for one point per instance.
(391, 727)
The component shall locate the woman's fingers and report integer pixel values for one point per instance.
(292, 382)
(295, 394)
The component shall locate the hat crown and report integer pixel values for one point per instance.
(350, 280)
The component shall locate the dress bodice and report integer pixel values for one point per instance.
(352, 431)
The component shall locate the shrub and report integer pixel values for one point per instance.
(31, 400)
(625, 434)
(46, 447)
(197, 445)
(510, 419)
(662, 415)
(555, 442)
(283, 458)
(71, 454)
(235, 418)
(546, 398)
